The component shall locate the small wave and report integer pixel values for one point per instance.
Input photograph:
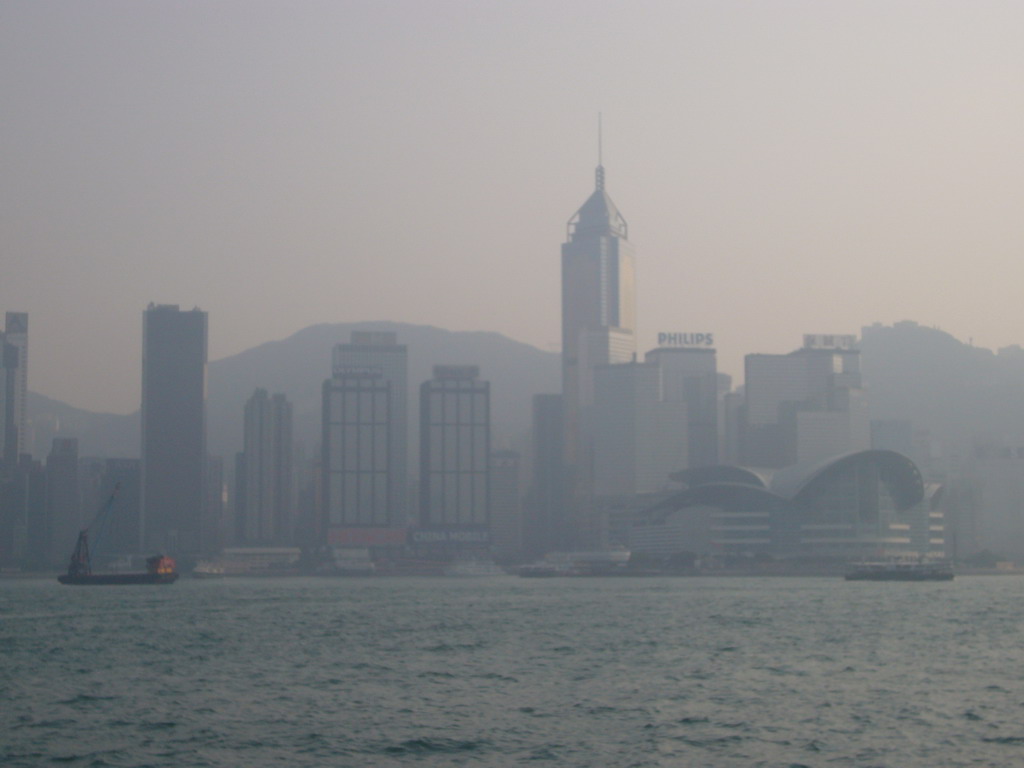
(596, 710)
(545, 753)
(425, 746)
(715, 741)
(59, 723)
(12, 758)
(92, 759)
(496, 676)
(85, 698)
(450, 648)
(786, 671)
(1004, 740)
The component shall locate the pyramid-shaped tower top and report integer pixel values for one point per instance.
(598, 216)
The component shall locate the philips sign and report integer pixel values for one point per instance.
(686, 339)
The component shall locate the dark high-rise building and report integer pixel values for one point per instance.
(235, 534)
(24, 528)
(364, 442)
(122, 534)
(13, 387)
(266, 511)
(455, 448)
(174, 347)
(214, 524)
(546, 521)
(357, 477)
(63, 501)
(377, 356)
(308, 498)
(506, 506)
(109, 490)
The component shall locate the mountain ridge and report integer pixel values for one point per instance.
(297, 365)
(956, 393)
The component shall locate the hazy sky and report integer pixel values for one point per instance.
(785, 167)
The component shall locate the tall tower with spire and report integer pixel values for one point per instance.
(598, 313)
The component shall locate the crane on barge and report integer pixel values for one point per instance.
(159, 568)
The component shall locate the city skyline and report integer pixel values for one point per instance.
(786, 169)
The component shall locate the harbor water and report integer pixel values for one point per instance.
(504, 671)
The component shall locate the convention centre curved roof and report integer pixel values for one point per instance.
(743, 488)
(900, 475)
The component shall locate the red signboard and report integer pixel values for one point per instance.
(366, 537)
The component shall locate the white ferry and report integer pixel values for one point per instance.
(900, 570)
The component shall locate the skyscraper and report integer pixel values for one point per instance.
(266, 516)
(173, 430)
(689, 375)
(506, 505)
(546, 521)
(364, 438)
(63, 499)
(598, 328)
(804, 406)
(640, 437)
(455, 448)
(598, 303)
(123, 531)
(14, 387)
(24, 530)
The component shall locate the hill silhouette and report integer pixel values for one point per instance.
(112, 435)
(959, 393)
(298, 365)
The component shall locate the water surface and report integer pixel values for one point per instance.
(507, 671)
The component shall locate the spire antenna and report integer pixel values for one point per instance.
(600, 166)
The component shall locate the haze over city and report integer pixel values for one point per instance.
(784, 168)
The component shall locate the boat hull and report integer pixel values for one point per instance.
(109, 579)
(914, 572)
(898, 577)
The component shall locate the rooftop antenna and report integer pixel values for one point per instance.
(600, 166)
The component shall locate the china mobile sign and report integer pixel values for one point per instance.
(449, 537)
(686, 339)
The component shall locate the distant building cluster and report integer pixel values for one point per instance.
(654, 455)
(640, 438)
